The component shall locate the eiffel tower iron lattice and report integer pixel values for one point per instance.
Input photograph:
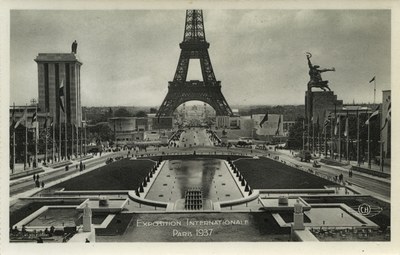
(194, 46)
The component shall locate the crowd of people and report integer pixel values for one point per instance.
(37, 181)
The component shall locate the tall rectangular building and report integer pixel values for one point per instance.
(54, 69)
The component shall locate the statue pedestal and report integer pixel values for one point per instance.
(298, 216)
(87, 219)
(319, 103)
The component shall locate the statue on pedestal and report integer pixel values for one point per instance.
(87, 218)
(74, 47)
(315, 75)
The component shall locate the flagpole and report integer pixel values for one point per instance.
(381, 151)
(340, 140)
(374, 88)
(13, 127)
(325, 142)
(347, 137)
(319, 142)
(81, 145)
(331, 148)
(382, 142)
(358, 138)
(13, 166)
(369, 156)
(53, 131)
(36, 136)
(59, 136)
(72, 139)
(313, 136)
(45, 141)
(65, 132)
(304, 136)
(308, 135)
(77, 140)
(85, 140)
(334, 138)
(26, 138)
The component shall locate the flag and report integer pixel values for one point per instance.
(279, 123)
(337, 125)
(346, 127)
(373, 79)
(388, 115)
(61, 95)
(264, 119)
(34, 117)
(373, 116)
(327, 121)
(45, 122)
(23, 118)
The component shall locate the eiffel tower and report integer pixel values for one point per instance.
(194, 46)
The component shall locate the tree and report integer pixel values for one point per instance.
(101, 132)
(122, 112)
(110, 113)
(295, 140)
(141, 114)
(153, 110)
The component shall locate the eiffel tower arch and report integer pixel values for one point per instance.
(194, 46)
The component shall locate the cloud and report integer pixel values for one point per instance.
(129, 56)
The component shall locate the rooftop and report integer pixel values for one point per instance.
(57, 57)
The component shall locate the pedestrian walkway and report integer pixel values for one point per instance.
(49, 170)
(374, 167)
(35, 190)
(342, 169)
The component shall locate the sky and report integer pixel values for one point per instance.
(258, 55)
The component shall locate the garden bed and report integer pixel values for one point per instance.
(120, 175)
(266, 173)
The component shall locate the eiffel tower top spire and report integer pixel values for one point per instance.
(194, 35)
(194, 27)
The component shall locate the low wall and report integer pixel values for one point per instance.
(371, 172)
(61, 164)
(332, 162)
(240, 201)
(292, 191)
(26, 173)
(303, 236)
(135, 198)
(91, 192)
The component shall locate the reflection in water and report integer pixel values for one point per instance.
(197, 173)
